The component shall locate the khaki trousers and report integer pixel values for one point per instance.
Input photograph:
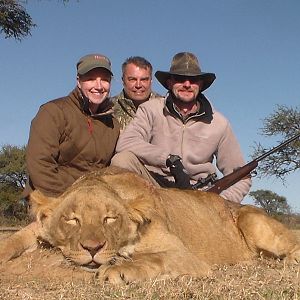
(127, 160)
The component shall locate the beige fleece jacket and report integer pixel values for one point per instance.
(205, 142)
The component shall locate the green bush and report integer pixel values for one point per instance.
(13, 211)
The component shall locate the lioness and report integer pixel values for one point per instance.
(128, 230)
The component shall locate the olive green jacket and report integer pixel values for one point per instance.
(66, 141)
(124, 109)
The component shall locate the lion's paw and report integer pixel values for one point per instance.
(117, 274)
(5, 254)
(294, 257)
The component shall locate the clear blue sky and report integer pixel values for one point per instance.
(252, 46)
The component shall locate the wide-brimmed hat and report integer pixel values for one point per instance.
(185, 64)
(93, 61)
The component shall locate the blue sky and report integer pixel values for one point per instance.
(253, 47)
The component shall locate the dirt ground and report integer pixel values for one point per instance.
(44, 274)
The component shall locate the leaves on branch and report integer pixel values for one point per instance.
(285, 122)
(14, 20)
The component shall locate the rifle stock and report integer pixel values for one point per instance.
(232, 178)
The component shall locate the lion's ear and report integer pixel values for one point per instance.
(41, 205)
(139, 211)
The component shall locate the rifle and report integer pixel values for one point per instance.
(243, 172)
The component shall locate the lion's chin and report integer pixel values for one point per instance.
(84, 262)
(94, 265)
(90, 267)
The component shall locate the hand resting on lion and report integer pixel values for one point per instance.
(117, 223)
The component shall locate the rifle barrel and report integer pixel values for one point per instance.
(293, 138)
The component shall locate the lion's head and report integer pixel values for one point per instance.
(90, 223)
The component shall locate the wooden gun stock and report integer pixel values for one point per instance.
(232, 178)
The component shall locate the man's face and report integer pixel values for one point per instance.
(137, 82)
(185, 89)
(95, 85)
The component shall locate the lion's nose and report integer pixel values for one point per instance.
(92, 246)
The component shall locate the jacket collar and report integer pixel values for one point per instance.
(105, 109)
(204, 113)
(128, 105)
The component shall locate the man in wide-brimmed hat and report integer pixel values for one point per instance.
(175, 142)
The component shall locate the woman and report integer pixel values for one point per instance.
(75, 134)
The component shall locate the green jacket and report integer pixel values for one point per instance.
(66, 141)
(124, 109)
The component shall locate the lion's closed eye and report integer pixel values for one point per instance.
(71, 221)
(109, 220)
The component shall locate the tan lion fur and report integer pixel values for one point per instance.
(118, 223)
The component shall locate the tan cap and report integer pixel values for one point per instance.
(93, 61)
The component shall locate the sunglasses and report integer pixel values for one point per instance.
(183, 78)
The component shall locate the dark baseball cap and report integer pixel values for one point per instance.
(93, 61)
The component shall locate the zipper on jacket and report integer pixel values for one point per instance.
(182, 134)
(90, 125)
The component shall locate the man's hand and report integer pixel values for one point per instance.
(182, 179)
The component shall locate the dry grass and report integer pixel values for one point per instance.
(265, 279)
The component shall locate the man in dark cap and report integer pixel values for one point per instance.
(74, 134)
(183, 130)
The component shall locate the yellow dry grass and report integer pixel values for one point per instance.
(265, 279)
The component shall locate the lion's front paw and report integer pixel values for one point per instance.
(110, 274)
(294, 257)
(117, 274)
(5, 254)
